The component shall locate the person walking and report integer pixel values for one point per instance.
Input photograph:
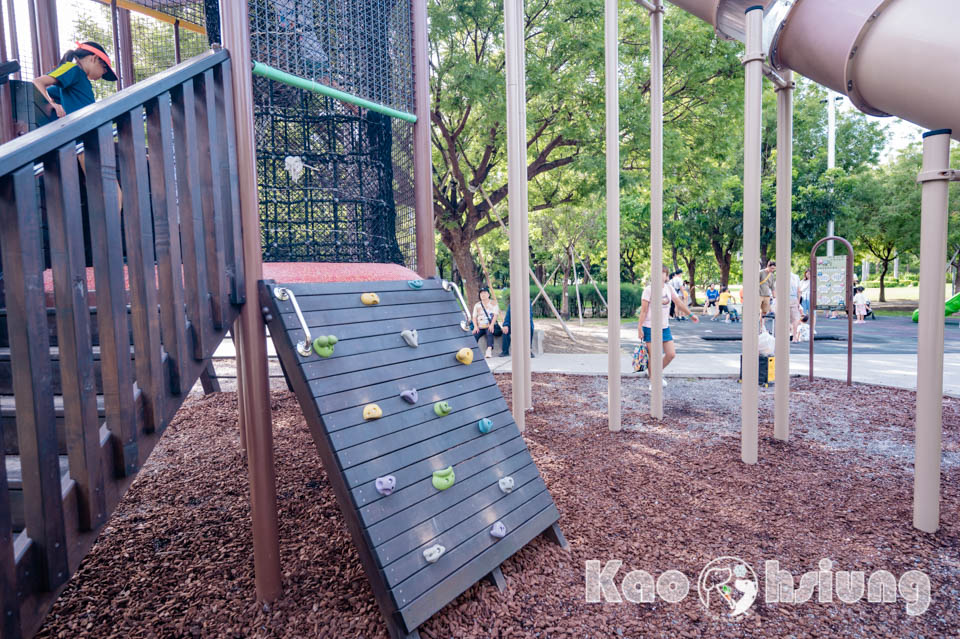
(667, 295)
(804, 291)
(767, 282)
(794, 304)
(860, 303)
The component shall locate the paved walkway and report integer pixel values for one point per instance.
(889, 370)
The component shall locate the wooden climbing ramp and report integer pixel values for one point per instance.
(384, 470)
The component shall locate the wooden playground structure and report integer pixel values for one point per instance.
(100, 357)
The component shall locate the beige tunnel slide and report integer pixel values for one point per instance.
(890, 57)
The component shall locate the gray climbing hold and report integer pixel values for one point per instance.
(410, 396)
(506, 484)
(386, 485)
(410, 337)
(433, 553)
(498, 530)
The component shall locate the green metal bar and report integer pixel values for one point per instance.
(309, 85)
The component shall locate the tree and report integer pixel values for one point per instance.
(884, 207)
(564, 51)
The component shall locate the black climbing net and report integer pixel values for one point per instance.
(336, 181)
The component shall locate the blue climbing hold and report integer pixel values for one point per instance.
(485, 425)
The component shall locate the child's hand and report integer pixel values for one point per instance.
(58, 109)
(696, 320)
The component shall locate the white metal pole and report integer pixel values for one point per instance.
(896, 267)
(576, 285)
(517, 186)
(611, 48)
(781, 424)
(656, 210)
(831, 153)
(933, 255)
(524, 325)
(753, 94)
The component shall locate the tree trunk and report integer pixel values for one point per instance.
(723, 261)
(883, 274)
(565, 297)
(692, 274)
(468, 270)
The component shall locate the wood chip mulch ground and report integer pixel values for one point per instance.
(176, 559)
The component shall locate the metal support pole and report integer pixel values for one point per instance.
(115, 34)
(422, 167)
(933, 254)
(254, 388)
(524, 326)
(34, 40)
(656, 210)
(611, 49)
(781, 422)
(753, 97)
(576, 285)
(517, 186)
(831, 154)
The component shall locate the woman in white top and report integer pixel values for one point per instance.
(486, 319)
(668, 295)
(805, 292)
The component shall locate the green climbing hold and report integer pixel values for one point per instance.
(442, 409)
(443, 479)
(324, 344)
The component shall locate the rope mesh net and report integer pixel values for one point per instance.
(349, 195)
(352, 197)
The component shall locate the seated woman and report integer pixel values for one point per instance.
(486, 319)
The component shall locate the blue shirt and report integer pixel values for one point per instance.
(712, 294)
(73, 90)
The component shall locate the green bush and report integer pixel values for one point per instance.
(629, 299)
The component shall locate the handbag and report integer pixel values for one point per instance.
(641, 358)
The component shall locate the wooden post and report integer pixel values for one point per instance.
(781, 424)
(47, 37)
(125, 58)
(611, 50)
(14, 38)
(254, 389)
(6, 108)
(422, 167)
(176, 42)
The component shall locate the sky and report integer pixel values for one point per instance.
(902, 133)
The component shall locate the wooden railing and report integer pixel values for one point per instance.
(96, 376)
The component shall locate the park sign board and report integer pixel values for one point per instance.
(831, 280)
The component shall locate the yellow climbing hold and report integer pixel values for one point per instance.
(370, 299)
(465, 356)
(372, 411)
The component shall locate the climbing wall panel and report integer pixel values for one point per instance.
(442, 466)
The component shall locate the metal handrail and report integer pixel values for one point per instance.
(465, 323)
(305, 348)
